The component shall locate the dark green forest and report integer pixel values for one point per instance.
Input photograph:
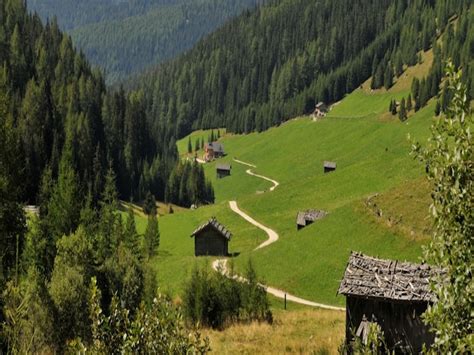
(59, 109)
(275, 63)
(126, 37)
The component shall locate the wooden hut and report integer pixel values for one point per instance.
(212, 238)
(305, 218)
(320, 111)
(329, 166)
(213, 151)
(392, 294)
(223, 170)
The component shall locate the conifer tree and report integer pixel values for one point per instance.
(402, 114)
(190, 147)
(409, 103)
(131, 234)
(388, 77)
(151, 238)
(394, 107)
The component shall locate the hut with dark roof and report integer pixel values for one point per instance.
(223, 170)
(305, 218)
(329, 166)
(212, 238)
(392, 294)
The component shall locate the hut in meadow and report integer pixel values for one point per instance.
(320, 110)
(213, 151)
(329, 166)
(212, 238)
(305, 218)
(223, 170)
(392, 294)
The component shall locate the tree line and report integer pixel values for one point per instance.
(276, 62)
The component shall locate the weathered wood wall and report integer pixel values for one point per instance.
(210, 242)
(401, 322)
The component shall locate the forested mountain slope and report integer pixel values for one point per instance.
(275, 63)
(62, 119)
(125, 37)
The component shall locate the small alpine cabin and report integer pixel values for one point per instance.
(329, 166)
(305, 218)
(392, 294)
(213, 151)
(212, 238)
(320, 111)
(223, 170)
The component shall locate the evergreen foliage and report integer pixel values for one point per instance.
(137, 34)
(215, 300)
(276, 62)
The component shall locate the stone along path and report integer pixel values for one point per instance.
(220, 265)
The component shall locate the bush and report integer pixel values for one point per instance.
(214, 300)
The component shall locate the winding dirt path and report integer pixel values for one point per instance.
(220, 265)
(272, 235)
(250, 172)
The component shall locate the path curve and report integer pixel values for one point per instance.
(220, 265)
(250, 172)
(272, 235)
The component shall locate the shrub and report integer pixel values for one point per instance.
(215, 300)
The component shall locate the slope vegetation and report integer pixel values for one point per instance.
(372, 155)
(139, 33)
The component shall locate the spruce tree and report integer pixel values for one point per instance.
(409, 103)
(388, 77)
(152, 237)
(394, 107)
(190, 147)
(130, 234)
(402, 113)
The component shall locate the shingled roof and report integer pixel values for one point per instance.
(213, 223)
(330, 164)
(304, 217)
(225, 167)
(369, 277)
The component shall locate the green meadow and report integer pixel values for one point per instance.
(372, 155)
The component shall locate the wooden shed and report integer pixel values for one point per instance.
(212, 238)
(305, 218)
(392, 294)
(213, 151)
(320, 110)
(329, 166)
(223, 170)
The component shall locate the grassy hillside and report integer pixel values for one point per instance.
(373, 158)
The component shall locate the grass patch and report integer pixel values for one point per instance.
(304, 331)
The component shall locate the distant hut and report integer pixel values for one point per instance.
(392, 294)
(329, 166)
(320, 111)
(34, 210)
(212, 238)
(213, 151)
(223, 170)
(305, 218)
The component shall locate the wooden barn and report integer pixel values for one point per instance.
(213, 151)
(320, 111)
(212, 238)
(223, 170)
(329, 166)
(392, 294)
(305, 218)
